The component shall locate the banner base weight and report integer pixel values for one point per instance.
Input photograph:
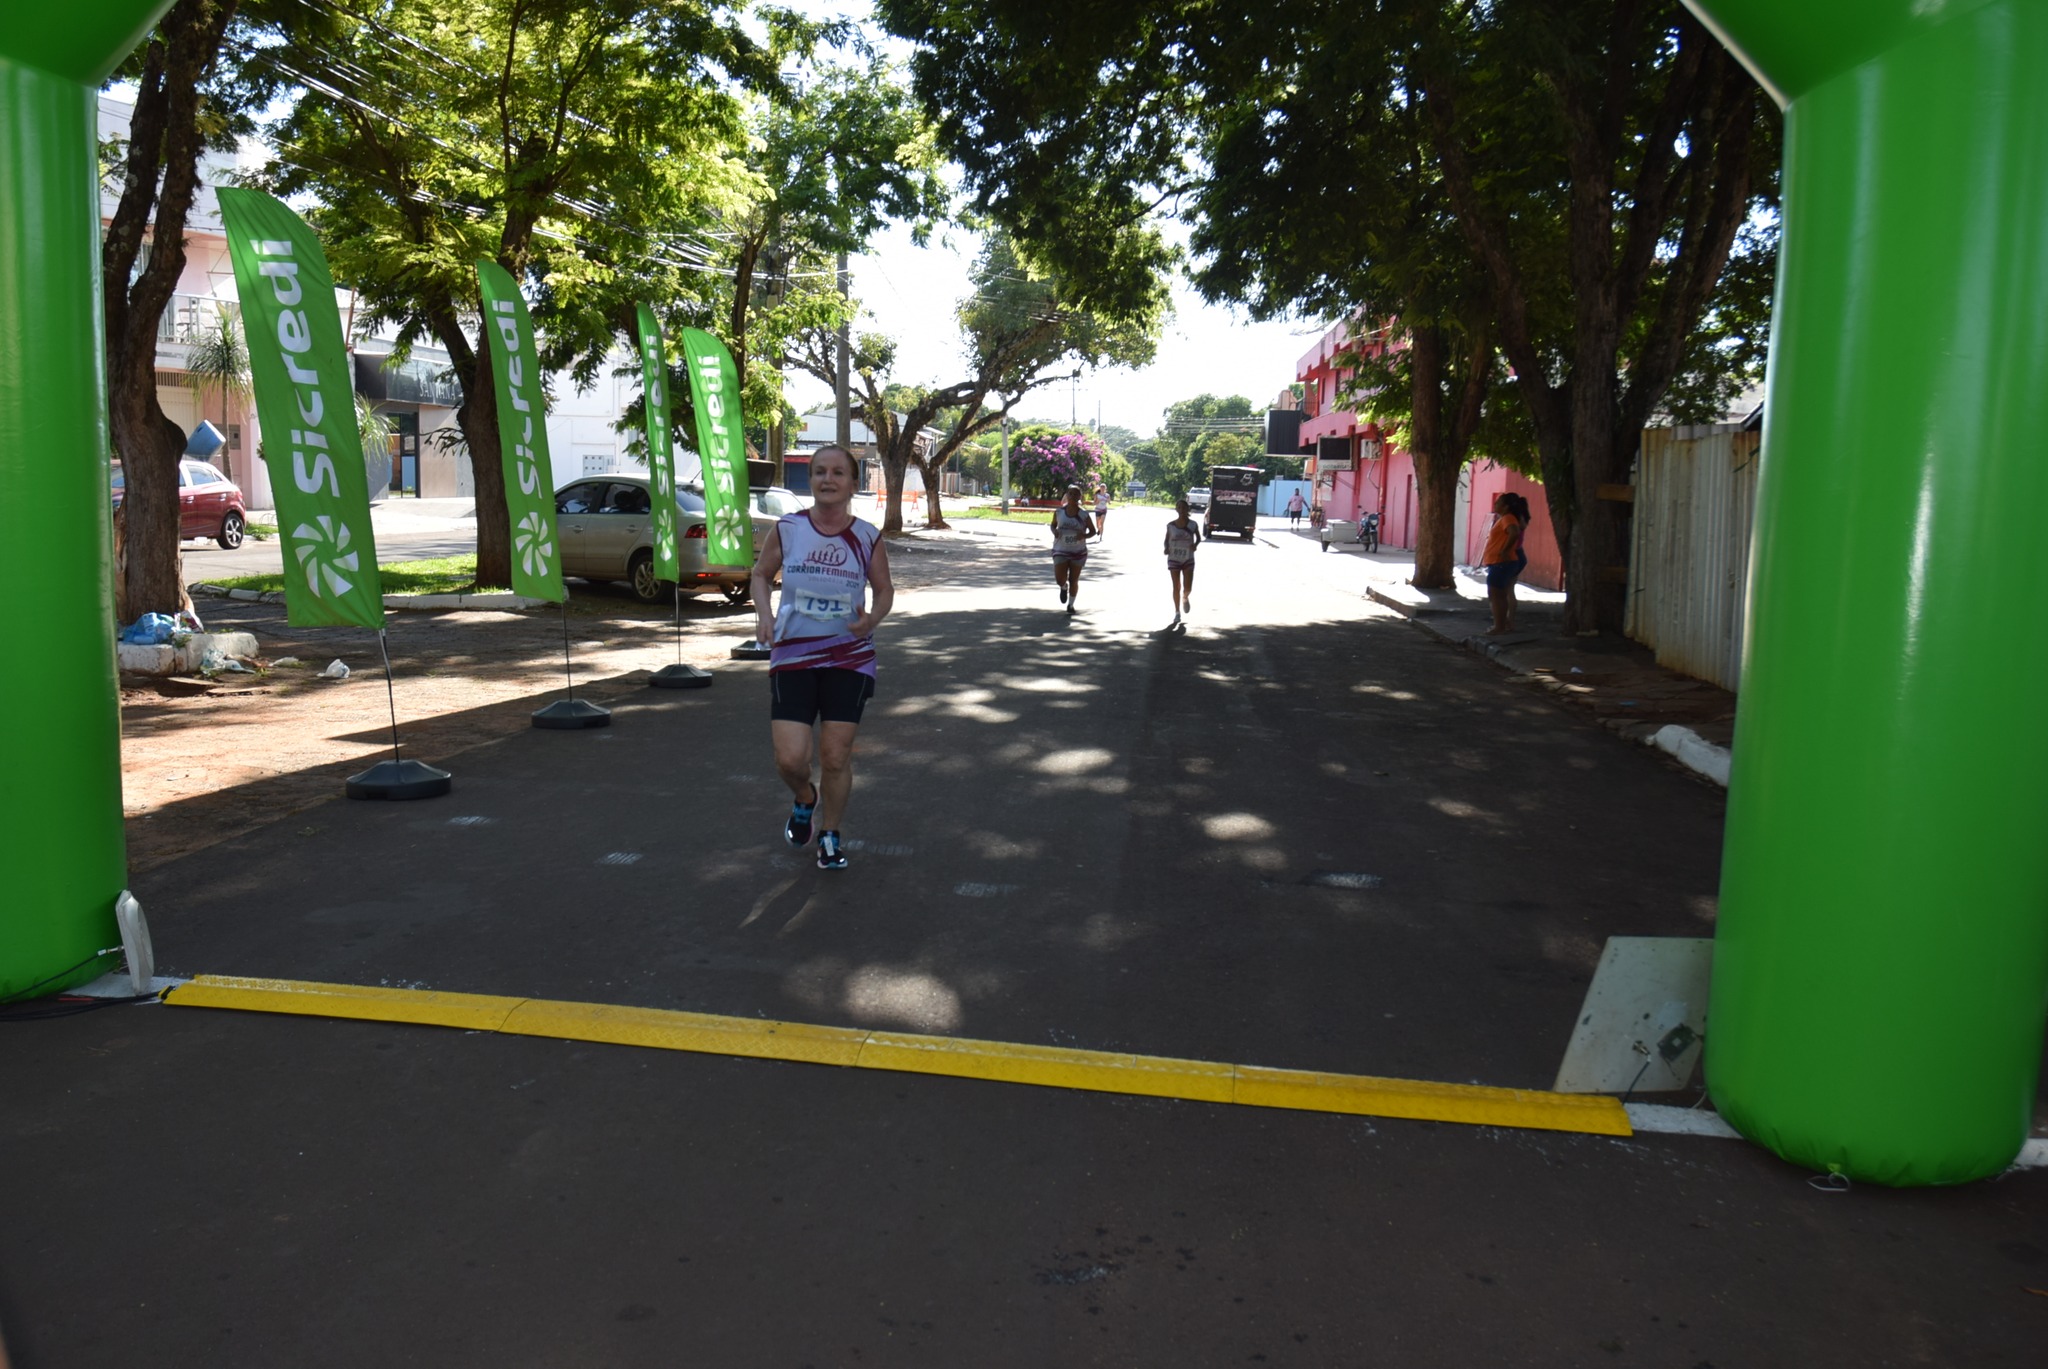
(570, 714)
(400, 780)
(680, 677)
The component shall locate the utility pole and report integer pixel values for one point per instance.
(845, 429)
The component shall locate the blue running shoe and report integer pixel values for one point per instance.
(830, 854)
(798, 828)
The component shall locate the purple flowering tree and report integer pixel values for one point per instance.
(1044, 462)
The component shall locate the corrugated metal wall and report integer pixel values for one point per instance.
(1695, 503)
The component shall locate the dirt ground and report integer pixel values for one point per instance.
(204, 760)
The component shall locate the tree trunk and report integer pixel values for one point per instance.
(1437, 461)
(150, 446)
(933, 518)
(1596, 563)
(165, 142)
(893, 466)
(478, 419)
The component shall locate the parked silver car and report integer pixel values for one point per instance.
(606, 524)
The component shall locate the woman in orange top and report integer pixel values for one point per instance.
(1504, 562)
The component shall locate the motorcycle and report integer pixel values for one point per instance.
(1369, 532)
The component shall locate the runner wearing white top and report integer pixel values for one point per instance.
(1101, 509)
(1183, 535)
(821, 667)
(1071, 529)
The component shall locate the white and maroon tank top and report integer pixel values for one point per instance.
(824, 584)
(1069, 533)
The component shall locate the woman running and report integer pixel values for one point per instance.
(1101, 509)
(1183, 535)
(1071, 529)
(821, 664)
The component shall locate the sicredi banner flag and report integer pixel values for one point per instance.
(661, 466)
(522, 436)
(305, 402)
(714, 384)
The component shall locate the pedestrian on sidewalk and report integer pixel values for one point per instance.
(1071, 529)
(1295, 504)
(821, 665)
(1504, 560)
(1101, 509)
(1182, 537)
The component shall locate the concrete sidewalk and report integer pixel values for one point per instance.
(1618, 680)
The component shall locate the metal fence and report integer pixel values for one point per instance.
(1695, 504)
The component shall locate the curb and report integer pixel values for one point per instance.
(495, 599)
(1704, 758)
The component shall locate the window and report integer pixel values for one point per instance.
(775, 503)
(580, 498)
(628, 499)
(689, 501)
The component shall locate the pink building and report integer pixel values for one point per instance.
(1356, 471)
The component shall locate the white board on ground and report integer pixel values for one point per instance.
(1644, 1017)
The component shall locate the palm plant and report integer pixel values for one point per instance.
(219, 361)
(375, 431)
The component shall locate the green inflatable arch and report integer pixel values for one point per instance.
(1881, 963)
(62, 837)
(1881, 968)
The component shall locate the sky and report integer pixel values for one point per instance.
(909, 293)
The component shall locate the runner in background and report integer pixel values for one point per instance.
(1101, 509)
(821, 665)
(1071, 529)
(1183, 535)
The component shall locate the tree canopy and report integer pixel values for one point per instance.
(584, 145)
(1561, 181)
(1018, 328)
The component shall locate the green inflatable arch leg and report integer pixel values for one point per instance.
(1881, 964)
(61, 845)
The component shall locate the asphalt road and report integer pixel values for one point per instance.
(1090, 830)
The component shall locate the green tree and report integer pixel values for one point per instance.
(1019, 329)
(1207, 430)
(1117, 439)
(849, 153)
(580, 144)
(194, 89)
(1585, 168)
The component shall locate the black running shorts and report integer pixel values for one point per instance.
(830, 694)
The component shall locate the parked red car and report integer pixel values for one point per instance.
(209, 504)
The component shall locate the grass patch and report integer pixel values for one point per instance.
(995, 513)
(440, 575)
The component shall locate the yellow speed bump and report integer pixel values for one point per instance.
(1049, 1066)
(663, 1029)
(1420, 1100)
(1154, 1076)
(369, 1003)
